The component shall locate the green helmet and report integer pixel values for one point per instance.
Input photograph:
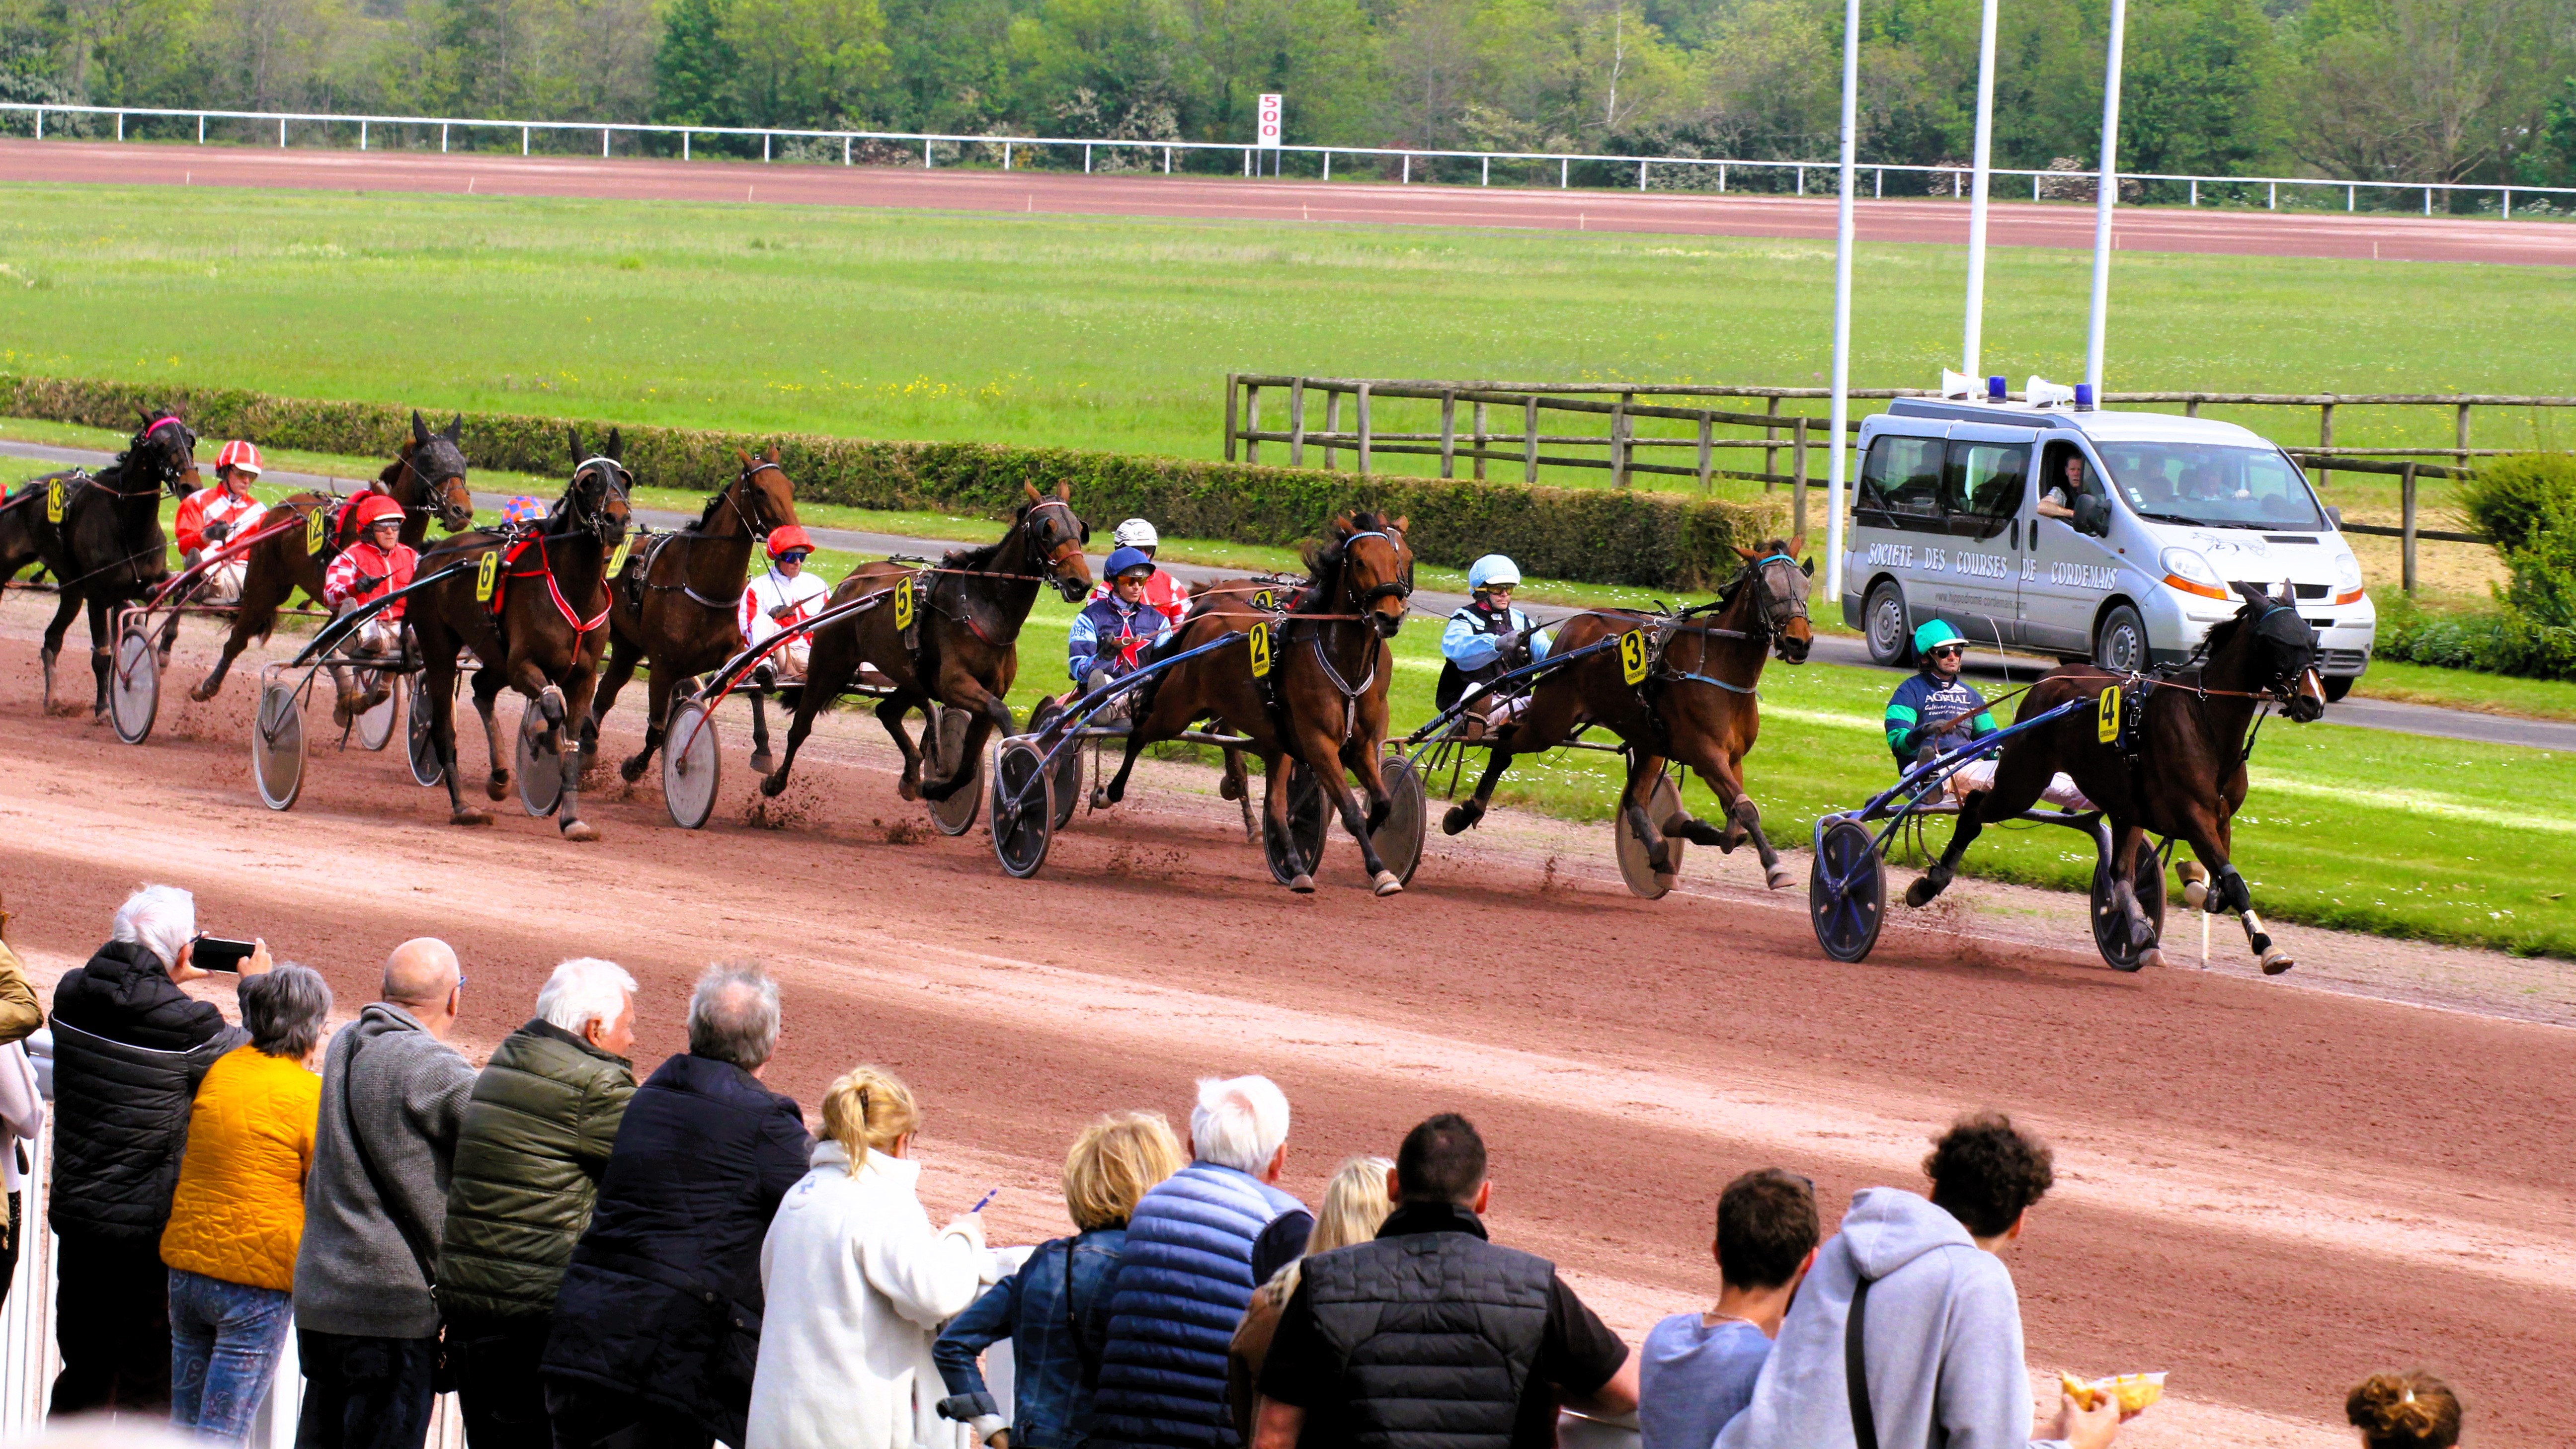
(1932, 635)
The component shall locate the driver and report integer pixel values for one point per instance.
(2201, 484)
(1113, 631)
(379, 563)
(1936, 710)
(209, 516)
(1488, 639)
(1167, 594)
(780, 598)
(2058, 499)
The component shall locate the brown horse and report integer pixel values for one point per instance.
(545, 639)
(2184, 774)
(426, 476)
(674, 604)
(107, 550)
(1696, 704)
(1324, 699)
(963, 647)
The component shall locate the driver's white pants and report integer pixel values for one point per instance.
(1979, 775)
(789, 661)
(223, 582)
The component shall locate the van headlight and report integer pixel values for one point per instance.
(2347, 579)
(2186, 570)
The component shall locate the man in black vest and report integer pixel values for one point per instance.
(1431, 1335)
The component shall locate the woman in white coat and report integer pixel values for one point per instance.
(857, 1283)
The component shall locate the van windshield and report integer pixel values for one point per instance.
(2212, 486)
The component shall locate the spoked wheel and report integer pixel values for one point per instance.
(134, 687)
(1399, 838)
(376, 727)
(1662, 803)
(692, 765)
(2111, 924)
(425, 769)
(1847, 891)
(1023, 808)
(540, 765)
(1307, 814)
(277, 747)
(956, 814)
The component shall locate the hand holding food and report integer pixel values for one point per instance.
(2134, 1391)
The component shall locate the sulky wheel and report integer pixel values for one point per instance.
(375, 728)
(1399, 837)
(1068, 764)
(947, 739)
(692, 765)
(1847, 891)
(277, 747)
(1023, 808)
(2111, 924)
(540, 765)
(1662, 803)
(425, 769)
(134, 687)
(1306, 821)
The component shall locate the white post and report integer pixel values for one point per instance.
(684, 144)
(362, 135)
(2106, 194)
(1564, 168)
(201, 130)
(1328, 164)
(442, 138)
(925, 153)
(523, 140)
(1407, 178)
(1839, 444)
(1972, 336)
(603, 143)
(1086, 160)
(2195, 191)
(845, 154)
(1488, 178)
(1006, 155)
(120, 125)
(1247, 163)
(1167, 163)
(281, 133)
(1641, 176)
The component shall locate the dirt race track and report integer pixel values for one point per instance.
(2265, 1188)
(2378, 236)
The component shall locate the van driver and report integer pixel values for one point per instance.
(2058, 500)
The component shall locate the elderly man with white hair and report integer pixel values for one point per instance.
(1197, 1245)
(537, 1131)
(129, 1050)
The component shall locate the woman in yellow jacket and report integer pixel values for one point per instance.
(238, 1214)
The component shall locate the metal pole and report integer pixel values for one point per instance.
(603, 143)
(1487, 179)
(120, 126)
(845, 154)
(281, 133)
(764, 146)
(1972, 336)
(684, 145)
(2106, 194)
(201, 130)
(1408, 171)
(925, 153)
(1565, 168)
(442, 139)
(1836, 443)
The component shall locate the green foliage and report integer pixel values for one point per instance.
(2511, 497)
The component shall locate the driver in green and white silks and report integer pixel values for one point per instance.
(1935, 711)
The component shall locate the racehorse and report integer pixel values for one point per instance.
(674, 604)
(1323, 700)
(2183, 771)
(1696, 703)
(542, 631)
(106, 549)
(962, 649)
(426, 476)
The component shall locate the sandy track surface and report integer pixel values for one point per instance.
(1921, 219)
(2266, 1188)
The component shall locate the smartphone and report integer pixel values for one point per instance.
(214, 953)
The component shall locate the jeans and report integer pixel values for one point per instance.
(364, 1393)
(497, 1386)
(112, 1319)
(224, 1342)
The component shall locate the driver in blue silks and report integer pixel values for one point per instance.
(1110, 635)
(1488, 639)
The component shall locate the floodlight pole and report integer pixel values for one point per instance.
(1839, 441)
(2106, 194)
(1972, 340)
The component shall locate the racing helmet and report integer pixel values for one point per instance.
(1127, 560)
(524, 509)
(375, 508)
(1933, 634)
(787, 536)
(239, 455)
(1137, 533)
(1493, 569)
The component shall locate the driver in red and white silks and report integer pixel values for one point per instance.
(210, 516)
(377, 564)
(776, 601)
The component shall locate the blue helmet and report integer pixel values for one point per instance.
(1125, 560)
(1493, 569)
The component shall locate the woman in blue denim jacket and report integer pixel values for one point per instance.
(1056, 1334)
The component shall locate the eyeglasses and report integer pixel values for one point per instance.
(1949, 651)
(793, 555)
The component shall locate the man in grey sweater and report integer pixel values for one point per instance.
(375, 1204)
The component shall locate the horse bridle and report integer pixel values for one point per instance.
(1041, 555)
(615, 479)
(758, 522)
(1399, 589)
(430, 503)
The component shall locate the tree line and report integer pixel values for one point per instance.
(2413, 90)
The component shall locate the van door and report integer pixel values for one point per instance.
(1985, 483)
(2066, 574)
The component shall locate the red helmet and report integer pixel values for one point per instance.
(786, 536)
(239, 455)
(375, 508)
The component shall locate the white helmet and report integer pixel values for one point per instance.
(1493, 569)
(1136, 533)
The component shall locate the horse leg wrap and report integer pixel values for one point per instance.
(2229, 892)
(550, 703)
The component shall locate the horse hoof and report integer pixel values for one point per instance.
(1388, 885)
(632, 770)
(1303, 885)
(468, 815)
(2152, 958)
(498, 787)
(1920, 894)
(343, 710)
(201, 694)
(761, 764)
(1782, 877)
(2196, 895)
(581, 830)
(1229, 789)
(1458, 818)
(2276, 962)
(773, 785)
(910, 789)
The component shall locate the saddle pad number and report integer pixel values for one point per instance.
(1632, 656)
(903, 603)
(1266, 601)
(617, 560)
(317, 528)
(486, 574)
(54, 501)
(2106, 725)
(1259, 639)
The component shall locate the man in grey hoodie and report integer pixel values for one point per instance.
(375, 1204)
(1939, 1323)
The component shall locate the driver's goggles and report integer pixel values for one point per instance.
(794, 556)
(1949, 651)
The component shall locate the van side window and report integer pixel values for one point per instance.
(1901, 479)
(1982, 487)
(2057, 493)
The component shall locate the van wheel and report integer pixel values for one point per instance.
(2120, 645)
(2339, 685)
(1883, 620)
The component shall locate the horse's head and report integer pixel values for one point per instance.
(763, 496)
(1376, 568)
(165, 450)
(2273, 650)
(596, 499)
(431, 475)
(1054, 541)
(1779, 583)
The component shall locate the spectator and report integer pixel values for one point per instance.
(1355, 1205)
(858, 1283)
(657, 1322)
(1942, 1324)
(1429, 1333)
(238, 1213)
(536, 1138)
(393, 1096)
(129, 1050)
(22, 1101)
(1198, 1244)
(1057, 1331)
(1697, 1370)
(2404, 1411)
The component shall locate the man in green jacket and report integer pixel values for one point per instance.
(528, 1160)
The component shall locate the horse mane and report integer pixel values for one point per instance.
(707, 515)
(1322, 555)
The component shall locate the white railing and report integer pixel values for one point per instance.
(1251, 155)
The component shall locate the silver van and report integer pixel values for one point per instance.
(2168, 514)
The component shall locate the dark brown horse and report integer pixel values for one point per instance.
(2184, 775)
(1696, 703)
(1324, 699)
(107, 548)
(426, 476)
(546, 638)
(674, 606)
(963, 649)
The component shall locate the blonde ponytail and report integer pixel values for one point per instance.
(869, 1107)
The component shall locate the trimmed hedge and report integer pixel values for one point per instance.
(1612, 536)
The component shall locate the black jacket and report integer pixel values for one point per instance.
(662, 1299)
(129, 1050)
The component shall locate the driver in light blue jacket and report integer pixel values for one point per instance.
(1488, 639)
